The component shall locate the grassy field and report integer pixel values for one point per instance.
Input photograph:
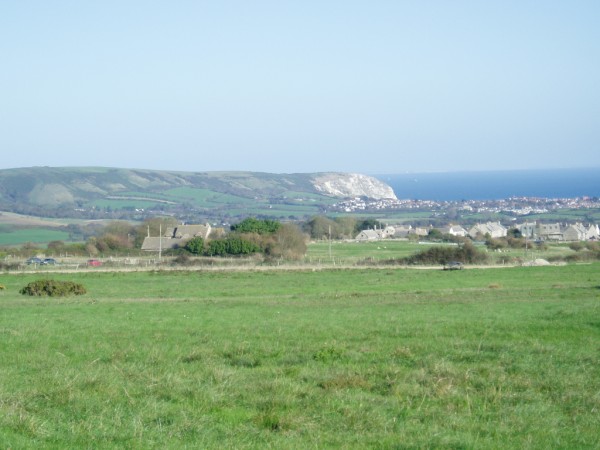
(349, 253)
(16, 236)
(352, 252)
(495, 358)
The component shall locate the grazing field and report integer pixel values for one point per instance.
(351, 252)
(17, 236)
(384, 358)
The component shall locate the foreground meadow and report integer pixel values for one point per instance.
(383, 358)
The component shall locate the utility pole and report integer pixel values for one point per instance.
(330, 242)
(160, 241)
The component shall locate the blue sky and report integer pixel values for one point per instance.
(303, 86)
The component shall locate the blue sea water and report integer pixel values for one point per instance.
(494, 185)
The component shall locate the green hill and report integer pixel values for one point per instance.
(96, 191)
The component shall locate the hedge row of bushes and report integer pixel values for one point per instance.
(464, 253)
(53, 288)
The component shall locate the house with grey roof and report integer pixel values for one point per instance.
(454, 230)
(420, 231)
(175, 237)
(559, 232)
(401, 231)
(575, 232)
(493, 229)
(368, 235)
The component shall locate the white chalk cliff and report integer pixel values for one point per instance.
(350, 185)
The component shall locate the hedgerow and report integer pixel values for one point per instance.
(465, 253)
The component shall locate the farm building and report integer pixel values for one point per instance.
(175, 237)
(375, 235)
(493, 229)
(454, 230)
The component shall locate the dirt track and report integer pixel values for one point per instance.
(71, 268)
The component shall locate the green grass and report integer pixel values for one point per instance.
(237, 205)
(16, 236)
(124, 203)
(206, 198)
(583, 215)
(352, 252)
(498, 358)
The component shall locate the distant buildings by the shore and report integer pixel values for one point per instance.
(558, 232)
(517, 206)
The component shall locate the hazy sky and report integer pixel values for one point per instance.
(300, 86)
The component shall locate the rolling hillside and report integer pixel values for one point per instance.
(92, 192)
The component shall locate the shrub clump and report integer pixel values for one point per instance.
(465, 253)
(53, 288)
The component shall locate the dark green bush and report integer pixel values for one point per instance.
(252, 225)
(53, 288)
(232, 246)
(195, 245)
(465, 253)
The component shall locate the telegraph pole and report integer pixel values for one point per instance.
(330, 242)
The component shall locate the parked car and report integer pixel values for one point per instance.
(94, 263)
(454, 265)
(49, 261)
(34, 260)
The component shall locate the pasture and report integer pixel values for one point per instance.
(379, 358)
(10, 236)
(351, 252)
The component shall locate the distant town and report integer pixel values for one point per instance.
(517, 206)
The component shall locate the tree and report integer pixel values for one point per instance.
(435, 235)
(320, 227)
(288, 243)
(367, 224)
(56, 246)
(514, 233)
(496, 244)
(252, 225)
(195, 245)
(346, 227)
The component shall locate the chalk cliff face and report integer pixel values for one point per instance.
(352, 185)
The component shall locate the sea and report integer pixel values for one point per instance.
(495, 185)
